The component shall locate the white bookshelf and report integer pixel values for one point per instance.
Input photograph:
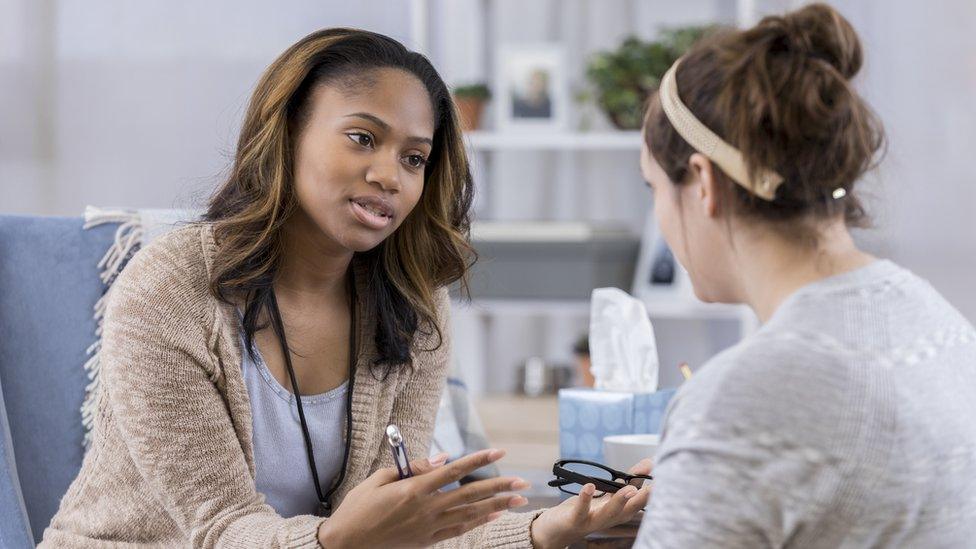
(664, 307)
(562, 151)
(486, 141)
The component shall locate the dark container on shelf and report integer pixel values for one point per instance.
(556, 269)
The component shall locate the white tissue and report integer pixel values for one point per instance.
(623, 351)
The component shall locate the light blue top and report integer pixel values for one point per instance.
(281, 464)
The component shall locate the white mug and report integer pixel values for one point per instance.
(621, 452)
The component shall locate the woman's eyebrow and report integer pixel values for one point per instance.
(386, 127)
(423, 140)
(372, 118)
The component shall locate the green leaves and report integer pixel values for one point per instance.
(623, 78)
(474, 91)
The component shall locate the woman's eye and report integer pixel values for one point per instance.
(362, 139)
(416, 161)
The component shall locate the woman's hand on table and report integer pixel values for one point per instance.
(384, 511)
(580, 515)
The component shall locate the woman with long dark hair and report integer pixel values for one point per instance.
(321, 271)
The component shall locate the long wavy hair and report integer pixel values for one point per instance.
(429, 250)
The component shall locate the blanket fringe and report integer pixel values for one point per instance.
(128, 239)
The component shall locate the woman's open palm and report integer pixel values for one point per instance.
(580, 515)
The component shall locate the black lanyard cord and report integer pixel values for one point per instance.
(325, 505)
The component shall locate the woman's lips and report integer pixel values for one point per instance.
(374, 212)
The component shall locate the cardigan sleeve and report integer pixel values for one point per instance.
(159, 379)
(415, 411)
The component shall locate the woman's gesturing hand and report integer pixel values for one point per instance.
(580, 515)
(384, 511)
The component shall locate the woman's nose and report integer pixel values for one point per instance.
(385, 173)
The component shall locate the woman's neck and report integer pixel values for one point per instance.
(772, 267)
(311, 267)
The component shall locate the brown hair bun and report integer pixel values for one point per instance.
(780, 92)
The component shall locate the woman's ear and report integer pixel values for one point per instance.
(707, 191)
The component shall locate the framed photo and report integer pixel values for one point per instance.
(531, 88)
(658, 273)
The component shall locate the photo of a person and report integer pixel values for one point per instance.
(532, 87)
(532, 99)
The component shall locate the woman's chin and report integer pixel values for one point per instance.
(363, 243)
(704, 293)
(711, 295)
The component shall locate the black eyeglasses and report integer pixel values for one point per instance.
(572, 474)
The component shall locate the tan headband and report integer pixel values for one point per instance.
(706, 142)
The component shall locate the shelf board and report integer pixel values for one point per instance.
(545, 231)
(666, 306)
(607, 140)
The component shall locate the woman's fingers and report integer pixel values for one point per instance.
(422, 466)
(478, 490)
(382, 476)
(583, 501)
(473, 512)
(637, 502)
(458, 469)
(614, 507)
(457, 530)
(643, 467)
(387, 475)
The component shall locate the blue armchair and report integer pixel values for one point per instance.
(49, 283)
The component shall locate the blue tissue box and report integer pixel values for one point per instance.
(588, 415)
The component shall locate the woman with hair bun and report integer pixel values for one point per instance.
(846, 420)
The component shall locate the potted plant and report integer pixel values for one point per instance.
(623, 78)
(470, 100)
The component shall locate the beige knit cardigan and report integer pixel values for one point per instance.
(171, 462)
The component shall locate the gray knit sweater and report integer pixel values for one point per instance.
(172, 457)
(848, 420)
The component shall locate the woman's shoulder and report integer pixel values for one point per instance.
(442, 303)
(432, 344)
(777, 384)
(771, 361)
(174, 267)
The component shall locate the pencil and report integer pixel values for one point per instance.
(685, 370)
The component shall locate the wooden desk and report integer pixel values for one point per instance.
(618, 537)
(526, 427)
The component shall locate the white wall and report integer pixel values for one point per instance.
(920, 76)
(138, 103)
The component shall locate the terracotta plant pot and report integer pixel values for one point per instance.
(583, 365)
(470, 110)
